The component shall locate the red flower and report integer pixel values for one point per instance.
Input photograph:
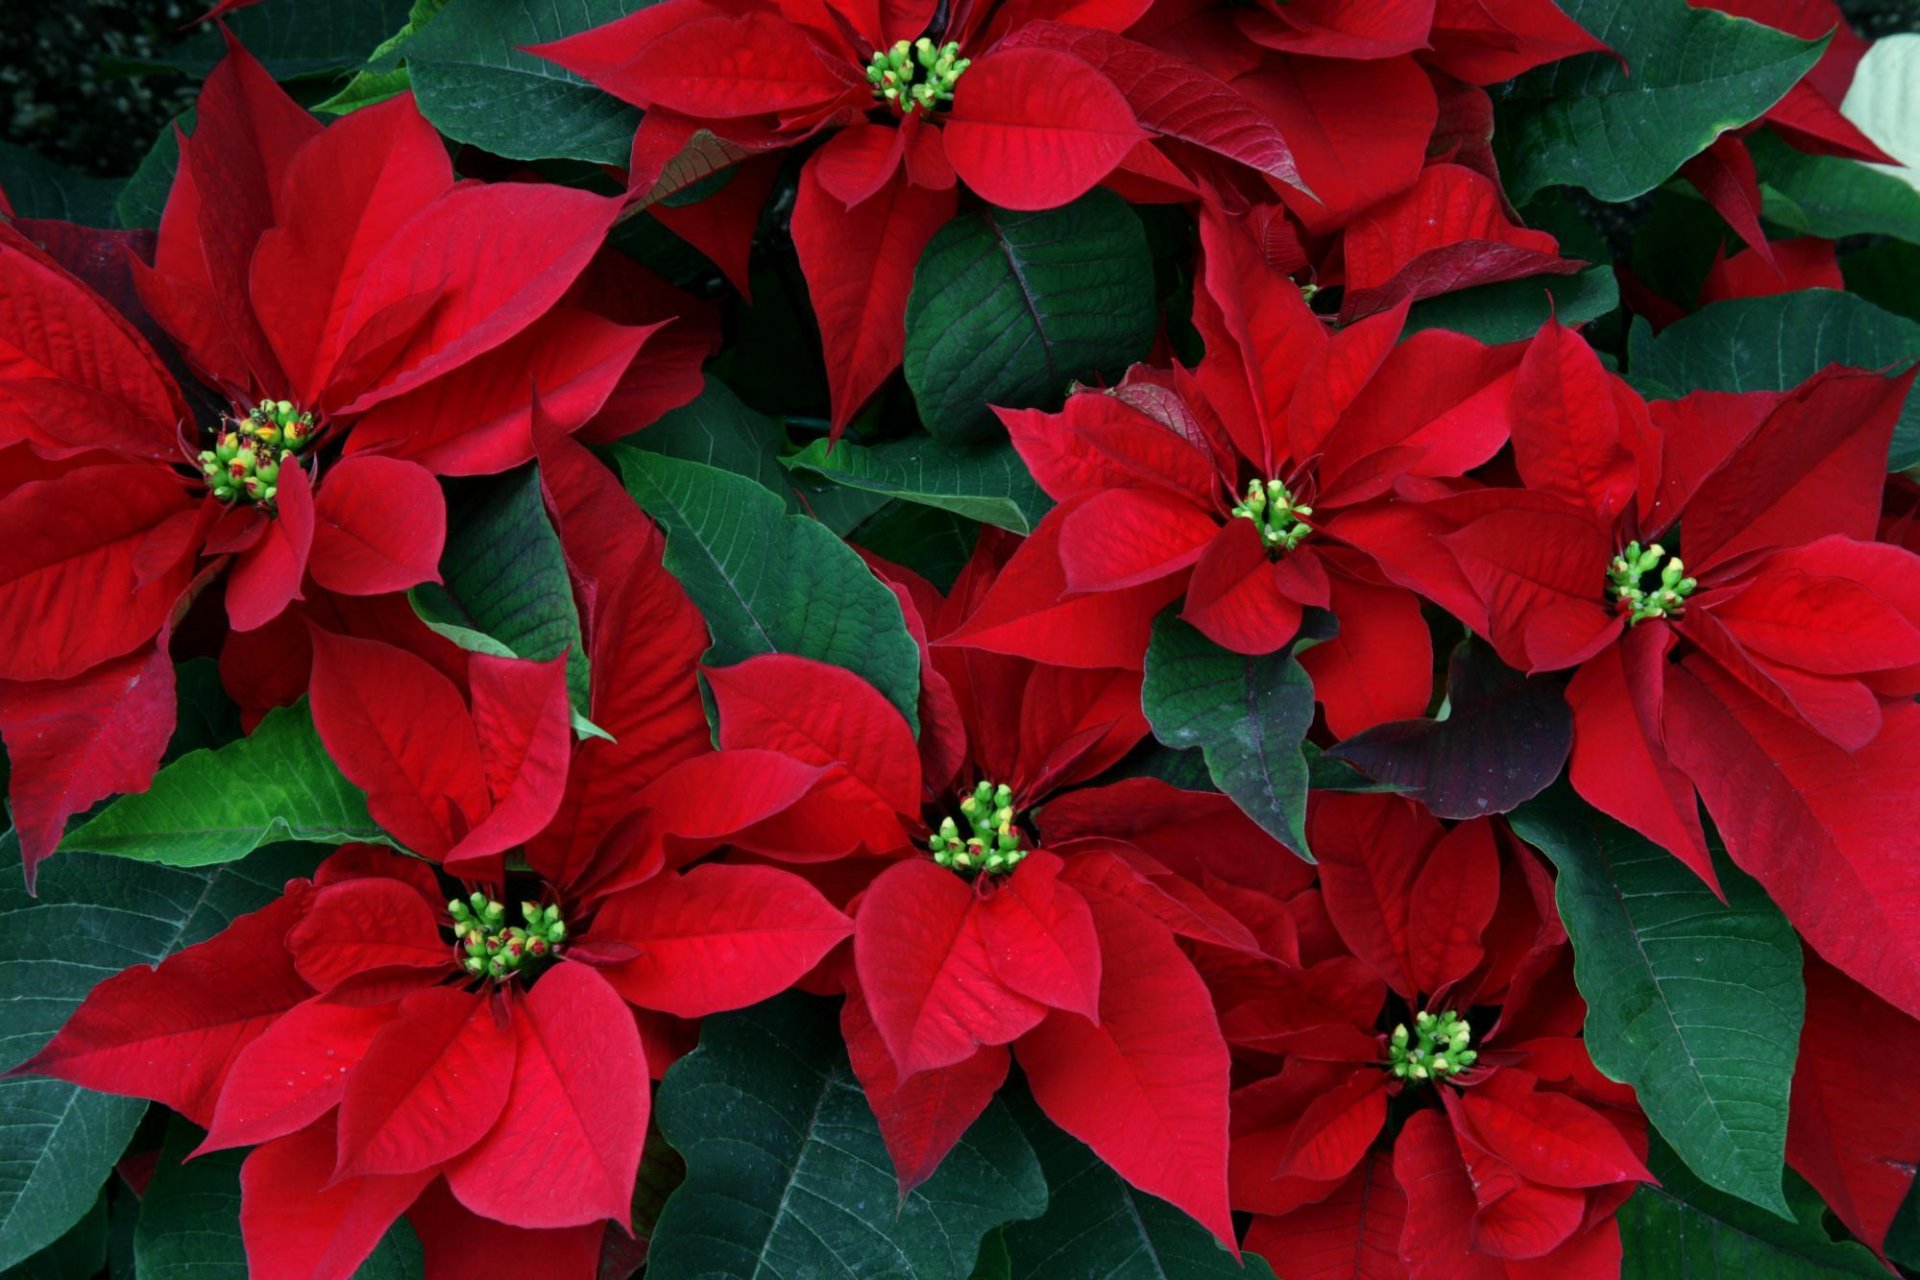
(977, 931)
(1512, 1152)
(1028, 112)
(1234, 484)
(1772, 671)
(338, 289)
(477, 1066)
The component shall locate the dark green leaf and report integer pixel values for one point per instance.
(1514, 310)
(769, 582)
(221, 805)
(144, 196)
(1008, 309)
(80, 1254)
(787, 1175)
(1096, 1227)
(934, 544)
(1248, 715)
(292, 39)
(477, 86)
(1887, 275)
(1685, 1230)
(1831, 197)
(384, 75)
(503, 576)
(1775, 343)
(207, 716)
(720, 430)
(41, 189)
(986, 481)
(189, 1226)
(94, 917)
(1695, 1002)
(1690, 75)
(995, 1263)
(1903, 1235)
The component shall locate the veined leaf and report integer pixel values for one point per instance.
(1009, 309)
(769, 582)
(1832, 197)
(721, 430)
(1514, 310)
(1690, 75)
(39, 188)
(787, 1174)
(1776, 343)
(93, 917)
(985, 482)
(1695, 1002)
(220, 805)
(1248, 715)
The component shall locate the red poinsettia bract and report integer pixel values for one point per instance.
(1434, 1113)
(1771, 671)
(364, 320)
(1232, 485)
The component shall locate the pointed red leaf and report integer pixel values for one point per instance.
(1724, 173)
(266, 576)
(724, 67)
(1036, 128)
(1040, 938)
(718, 937)
(1454, 900)
(1334, 1132)
(460, 1245)
(524, 727)
(367, 923)
(1380, 665)
(1353, 1234)
(567, 1147)
(1121, 538)
(1147, 1088)
(378, 526)
(293, 1074)
(1371, 850)
(1567, 436)
(1547, 1138)
(431, 1085)
(297, 1226)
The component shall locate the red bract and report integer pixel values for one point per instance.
(338, 292)
(1234, 484)
(1772, 671)
(1028, 111)
(976, 931)
(1516, 1152)
(497, 1078)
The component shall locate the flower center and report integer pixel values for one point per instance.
(1642, 587)
(994, 846)
(245, 461)
(916, 75)
(1435, 1049)
(1271, 508)
(491, 948)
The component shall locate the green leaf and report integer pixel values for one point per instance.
(143, 198)
(787, 1175)
(94, 917)
(293, 39)
(769, 582)
(206, 717)
(1248, 715)
(383, 76)
(39, 188)
(1690, 75)
(473, 81)
(1831, 197)
(995, 1263)
(1514, 310)
(721, 430)
(189, 1227)
(933, 543)
(1096, 1227)
(1775, 343)
(81, 1254)
(1685, 1230)
(1694, 1002)
(986, 481)
(1887, 275)
(504, 579)
(220, 805)
(1009, 309)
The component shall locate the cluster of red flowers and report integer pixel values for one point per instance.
(233, 435)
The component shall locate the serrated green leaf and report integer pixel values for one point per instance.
(93, 917)
(504, 580)
(986, 481)
(769, 582)
(1249, 716)
(787, 1175)
(1695, 1002)
(1619, 132)
(475, 84)
(189, 1226)
(1685, 1230)
(1008, 309)
(1828, 196)
(1776, 343)
(39, 188)
(1096, 1227)
(220, 805)
(1514, 310)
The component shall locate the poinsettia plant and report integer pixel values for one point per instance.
(1029, 638)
